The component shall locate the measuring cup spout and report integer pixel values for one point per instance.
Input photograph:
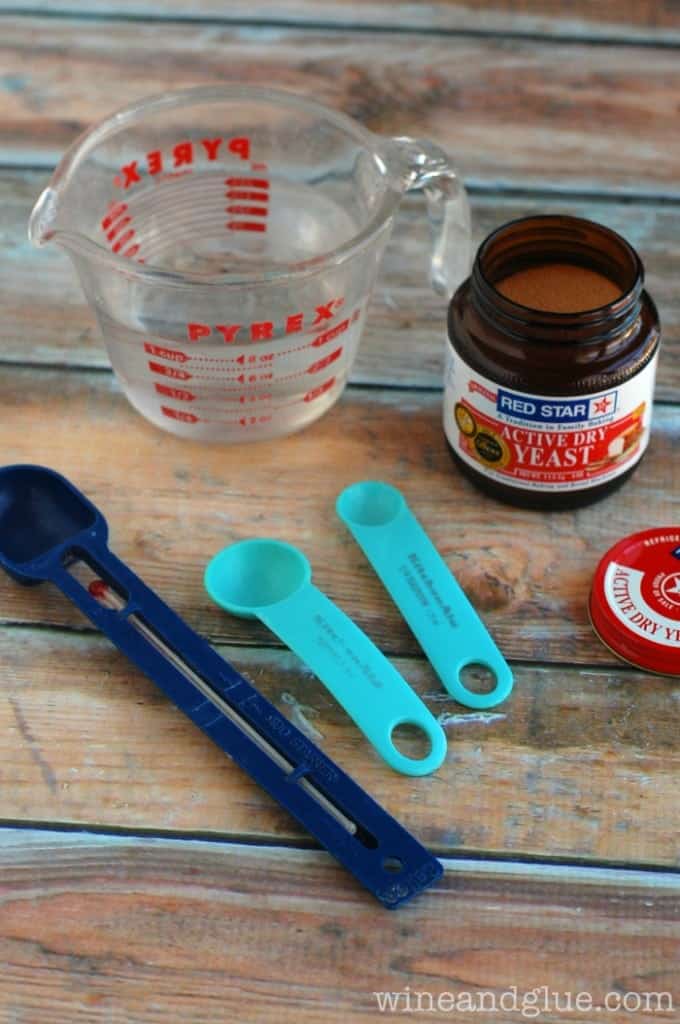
(50, 221)
(416, 164)
(65, 209)
(43, 219)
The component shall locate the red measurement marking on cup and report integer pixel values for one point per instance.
(252, 378)
(239, 378)
(177, 356)
(247, 193)
(310, 396)
(248, 421)
(248, 211)
(224, 385)
(249, 360)
(261, 183)
(179, 414)
(247, 225)
(306, 399)
(169, 371)
(227, 373)
(123, 240)
(180, 394)
(241, 360)
(318, 392)
(183, 395)
(316, 367)
(166, 353)
(235, 399)
(206, 402)
(247, 197)
(184, 416)
(330, 335)
(323, 363)
(116, 220)
(189, 417)
(263, 359)
(116, 210)
(117, 227)
(251, 399)
(215, 365)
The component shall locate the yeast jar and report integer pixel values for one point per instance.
(550, 368)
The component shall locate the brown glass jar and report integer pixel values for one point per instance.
(548, 404)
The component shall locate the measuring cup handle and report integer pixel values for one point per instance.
(422, 165)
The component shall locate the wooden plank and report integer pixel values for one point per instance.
(580, 764)
(114, 930)
(511, 111)
(172, 504)
(655, 20)
(403, 339)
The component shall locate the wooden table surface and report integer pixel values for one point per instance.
(143, 877)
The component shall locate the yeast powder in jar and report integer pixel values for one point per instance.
(550, 369)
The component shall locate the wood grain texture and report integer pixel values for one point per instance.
(544, 106)
(403, 341)
(171, 504)
(579, 764)
(111, 930)
(509, 110)
(631, 20)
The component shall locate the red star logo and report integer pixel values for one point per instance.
(602, 405)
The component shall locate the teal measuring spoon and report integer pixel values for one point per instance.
(424, 589)
(271, 581)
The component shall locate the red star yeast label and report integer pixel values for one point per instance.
(546, 442)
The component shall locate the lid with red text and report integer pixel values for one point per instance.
(635, 600)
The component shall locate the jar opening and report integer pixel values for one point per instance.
(559, 288)
(559, 266)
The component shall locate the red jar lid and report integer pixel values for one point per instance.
(635, 600)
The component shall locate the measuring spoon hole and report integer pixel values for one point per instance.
(411, 741)
(393, 865)
(477, 678)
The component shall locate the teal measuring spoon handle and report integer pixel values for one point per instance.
(428, 595)
(375, 696)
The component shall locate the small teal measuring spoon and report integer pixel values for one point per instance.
(424, 589)
(271, 581)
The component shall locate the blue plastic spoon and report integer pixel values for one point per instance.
(271, 581)
(423, 589)
(47, 526)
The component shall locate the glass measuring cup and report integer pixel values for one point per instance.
(228, 240)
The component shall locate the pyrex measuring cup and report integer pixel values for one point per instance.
(228, 240)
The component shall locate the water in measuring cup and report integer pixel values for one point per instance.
(188, 224)
(244, 388)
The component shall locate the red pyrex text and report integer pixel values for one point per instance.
(263, 330)
(181, 155)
